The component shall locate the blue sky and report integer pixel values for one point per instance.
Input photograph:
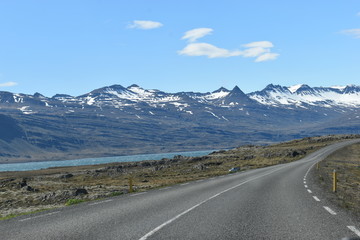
(76, 46)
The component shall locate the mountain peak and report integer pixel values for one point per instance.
(236, 89)
(133, 86)
(222, 89)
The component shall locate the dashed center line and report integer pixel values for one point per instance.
(316, 198)
(353, 228)
(330, 210)
(309, 191)
(44, 215)
(306, 186)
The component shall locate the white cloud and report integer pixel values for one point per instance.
(352, 32)
(259, 50)
(208, 50)
(260, 44)
(358, 14)
(196, 33)
(138, 24)
(255, 51)
(8, 84)
(267, 57)
(261, 54)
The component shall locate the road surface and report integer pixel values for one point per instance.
(276, 202)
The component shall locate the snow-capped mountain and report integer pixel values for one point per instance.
(115, 120)
(303, 95)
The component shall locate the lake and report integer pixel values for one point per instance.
(26, 166)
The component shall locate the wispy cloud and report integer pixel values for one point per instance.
(267, 57)
(196, 33)
(8, 84)
(259, 50)
(145, 25)
(352, 32)
(208, 50)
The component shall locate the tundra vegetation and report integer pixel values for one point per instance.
(346, 163)
(29, 191)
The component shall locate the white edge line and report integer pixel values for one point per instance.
(316, 198)
(184, 184)
(330, 210)
(137, 194)
(43, 215)
(353, 228)
(206, 200)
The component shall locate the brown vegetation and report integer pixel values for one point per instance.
(346, 162)
(33, 190)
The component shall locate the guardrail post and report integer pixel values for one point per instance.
(334, 180)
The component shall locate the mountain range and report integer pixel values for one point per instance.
(117, 120)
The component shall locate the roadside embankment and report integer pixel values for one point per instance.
(41, 189)
(346, 163)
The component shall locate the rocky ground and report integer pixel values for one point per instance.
(22, 192)
(346, 163)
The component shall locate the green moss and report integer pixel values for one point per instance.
(74, 201)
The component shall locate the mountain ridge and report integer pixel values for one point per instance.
(117, 120)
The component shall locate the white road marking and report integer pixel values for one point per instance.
(44, 215)
(306, 186)
(146, 236)
(316, 198)
(222, 176)
(330, 210)
(164, 188)
(309, 191)
(137, 194)
(184, 184)
(99, 202)
(304, 182)
(353, 228)
(200, 180)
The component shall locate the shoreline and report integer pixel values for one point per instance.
(101, 160)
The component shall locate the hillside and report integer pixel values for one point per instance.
(117, 120)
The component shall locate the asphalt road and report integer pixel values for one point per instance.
(270, 203)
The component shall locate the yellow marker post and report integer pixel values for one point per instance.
(334, 181)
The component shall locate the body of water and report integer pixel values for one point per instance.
(91, 161)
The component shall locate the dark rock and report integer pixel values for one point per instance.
(66, 176)
(23, 183)
(30, 189)
(80, 191)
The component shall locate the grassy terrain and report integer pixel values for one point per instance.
(346, 162)
(33, 190)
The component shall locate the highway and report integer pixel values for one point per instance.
(278, 202)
